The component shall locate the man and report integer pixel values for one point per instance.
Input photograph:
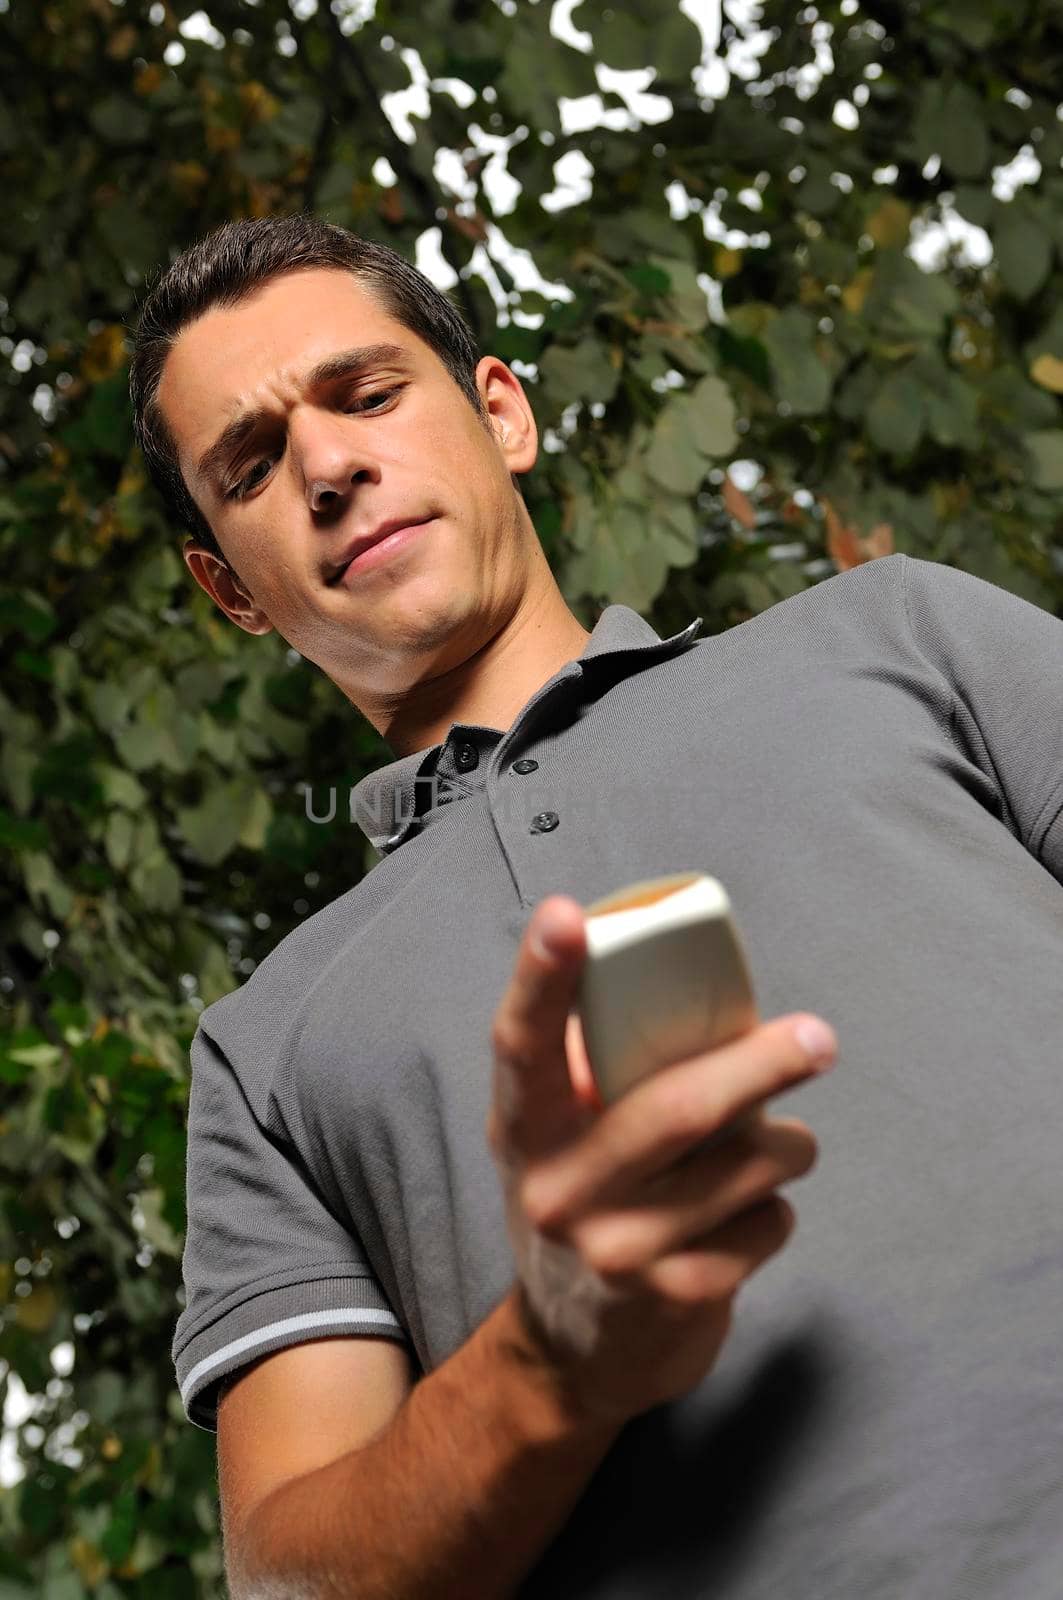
(474, 1334)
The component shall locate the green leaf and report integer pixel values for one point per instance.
(118, 120)
(648, 279)
(298, 120)
(816, 194)
(712, 417)
(109, 703)
(213, 827)
(802, 380)
(44, 883)
(621, 562)
(79, 1125)
(684, 292)
(161, 734)
(37, 1056)
(155, 1228)
(896, 414)
(16, 834)
(971, 21)
(214, 974)
(116, 1541)
(34, 663)
(1024, 252)
(1046, 449)
(64, 1586)
(621, 39)
(104, 1393)
(676, 50)
(1048, 341)
(118, 839)
(674, 458)
(104, 426)
(1016, 404)
(949, 123)
(526, 89)
(950, 403)
(690, 354)
(257, 818)
(952, 415)
(857, 392)
(120, 788)
(156, 882)
(584, 372)
(17, 764)
(631, 233)
(746, 354)
(975, 204)
(674, 526)
(29, 615)
(904, 302)
(130, 233)
(11, 1589)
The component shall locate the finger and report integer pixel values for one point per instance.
(679, 1207)
(718, 1265)
(580, 1070)
(662, 1118)
(533, 1093)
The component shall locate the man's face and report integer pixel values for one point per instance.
(325, 457)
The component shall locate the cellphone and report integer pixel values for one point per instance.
(666, 977)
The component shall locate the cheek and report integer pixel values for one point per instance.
(278, 586)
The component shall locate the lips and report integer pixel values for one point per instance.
(366, 541)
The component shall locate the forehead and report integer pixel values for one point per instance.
(235, 357)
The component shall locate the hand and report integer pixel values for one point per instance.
(631, 1242)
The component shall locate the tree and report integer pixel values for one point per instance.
(737, 287)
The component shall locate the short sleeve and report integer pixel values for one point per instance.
(266, 1264)
(1003, 659)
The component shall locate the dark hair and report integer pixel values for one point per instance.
(228, 264)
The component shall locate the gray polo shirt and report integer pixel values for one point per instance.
(874, 770)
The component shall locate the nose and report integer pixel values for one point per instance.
(329, 457)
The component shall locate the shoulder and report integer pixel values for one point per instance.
(847, 609)
(254, 1025)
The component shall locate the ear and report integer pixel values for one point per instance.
(225, 589)
(511, 418)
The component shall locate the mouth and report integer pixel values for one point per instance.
(393, 532)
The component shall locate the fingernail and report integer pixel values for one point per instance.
(818, 1041)
(540, 944)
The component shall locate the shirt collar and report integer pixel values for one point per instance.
(389, 801)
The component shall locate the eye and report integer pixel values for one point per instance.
(367, 400)
(248, 482)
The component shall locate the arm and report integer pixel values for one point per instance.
(459, 1495)
(631, 1242)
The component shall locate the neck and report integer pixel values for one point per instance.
(492, 686)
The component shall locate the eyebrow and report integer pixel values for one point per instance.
(352, 363)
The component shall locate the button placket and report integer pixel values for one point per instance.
(544, 821)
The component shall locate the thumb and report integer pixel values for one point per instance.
(534, 1109)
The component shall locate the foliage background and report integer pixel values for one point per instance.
(153, 819)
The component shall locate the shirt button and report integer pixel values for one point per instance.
(466, 757)
(526, 765)
(545, 822)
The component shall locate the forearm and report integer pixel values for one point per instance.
(457, 1497)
